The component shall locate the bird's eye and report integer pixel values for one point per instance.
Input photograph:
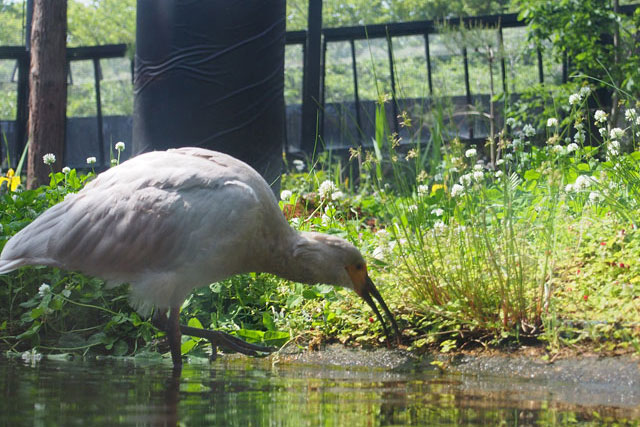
(359, 266)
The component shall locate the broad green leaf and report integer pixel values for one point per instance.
(309, 294)
(195, 323)
(276, 337)
(187, 346)
(268, 322)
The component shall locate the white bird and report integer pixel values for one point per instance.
(167, 222)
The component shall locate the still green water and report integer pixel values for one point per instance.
(249, 392)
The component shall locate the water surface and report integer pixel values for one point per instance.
(250, 392)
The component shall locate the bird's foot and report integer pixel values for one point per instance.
(227, 342)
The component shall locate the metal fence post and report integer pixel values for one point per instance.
(428, 56)
(356, 96)
(394, 98)
(467, 87)
(97, 77)
(311, 81)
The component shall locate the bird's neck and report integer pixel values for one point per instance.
(282, 261)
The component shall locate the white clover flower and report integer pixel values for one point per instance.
(326, 189)
(478, 167)
(337, 195)
(574, 98)
(508, 156)
(471, 152)
(66, 170)
(552, 122)
(582, 182)
(511, 122)
(91, 160)
(114, 162)
(516, 143)
(499, 162)
(528, 130)
(568, 188)
(438, 177)
(499, 174)
(477, 175)
(412, 208)
(614, 144)
(595, 197)
(585, 91)
(383, 233)
(603, 132)
(457, 190)
(44, 289)
(558, 149)
(423, 190)
(286, 195)
(465, 179)
(299, 165)
(579, 126)
(120, 146)
(572, 147)
(579, 137)
(437, 212)
(31, 356)
(439, 226)
(49, 158)
(616, 133)
(631, 115)
(600, 116)
(326, 220)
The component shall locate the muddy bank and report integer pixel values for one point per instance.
(589, 380)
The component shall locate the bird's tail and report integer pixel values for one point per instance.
(8, 265)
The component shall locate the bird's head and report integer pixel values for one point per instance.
(334, 261)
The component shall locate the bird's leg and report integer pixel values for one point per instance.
(226, 341)
(174, 335)
(216, 338)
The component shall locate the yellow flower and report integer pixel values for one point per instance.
(12, 181)
(436, 187)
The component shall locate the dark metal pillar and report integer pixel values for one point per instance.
(24, 63)
(323, 75)
(394, 100)
(428, 56)
(97, 74)
(311, 81)
(503, 66)
(356, 95)
(467, 87)
(540, 65)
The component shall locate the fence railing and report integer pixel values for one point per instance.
(388, 32)
(306, 122)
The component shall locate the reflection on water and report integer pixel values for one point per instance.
(243, 391)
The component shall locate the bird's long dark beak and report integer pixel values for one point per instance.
(367, 292)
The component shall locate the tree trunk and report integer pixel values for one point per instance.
(47, 88)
